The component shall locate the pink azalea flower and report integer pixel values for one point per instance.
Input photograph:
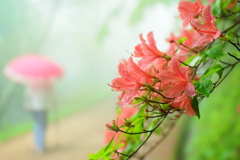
(189, 10)
(185, 103)
(203, 41)
(205, 24)
(109, 135)
(128, 96)
(124, 82)
(137, 73)
(172, 39)
(131, 80)
(191, 36)
(149, 48)
(151, 58)
(195, 41)
(187, 47)
(201, 19)
(178, 79)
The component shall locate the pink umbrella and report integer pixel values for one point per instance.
(32, 68)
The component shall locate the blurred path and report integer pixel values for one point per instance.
(74, 138)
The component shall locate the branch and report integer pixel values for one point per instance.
(233, 56)
(148, 136)
(234, 45)
(229, 28)
(154, 90)
(187, 64)
(164, 135)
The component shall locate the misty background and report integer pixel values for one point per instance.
(88, 38)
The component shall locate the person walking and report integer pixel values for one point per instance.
(39, 99)
(38, 73)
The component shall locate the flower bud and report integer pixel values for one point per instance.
(108, 126)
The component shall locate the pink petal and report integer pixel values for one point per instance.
(190, 90)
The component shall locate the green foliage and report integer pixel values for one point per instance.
(204, 87)
(152, 125)
(189, 60)
(181, 40)
(104, 153)
(220, 8)
(216, 135)
(138, 128)
(217, 68)
(214, 52)
(15, 131)
(107, 152)
(195, 106)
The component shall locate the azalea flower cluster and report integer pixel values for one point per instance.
(170, 81)
(202, 21)
(154, 84)
(161, 75)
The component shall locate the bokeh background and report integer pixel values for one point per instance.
(88, 38)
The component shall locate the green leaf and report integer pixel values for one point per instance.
(131, 146)
(230, 35)
(217, 68)
(120, 145)
(189, 60)
(141, 110)
(104, 153)
(92, 156)
(202, 58)
(234, 54)
(181, 40)
(214, 52)
(196, 106)
(152, 125)
(137, 100)
(204, 87)
(216, 8)
(138, 128)
(109, 146)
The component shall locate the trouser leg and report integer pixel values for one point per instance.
(40, 123)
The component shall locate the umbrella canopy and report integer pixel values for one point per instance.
(31, 68)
